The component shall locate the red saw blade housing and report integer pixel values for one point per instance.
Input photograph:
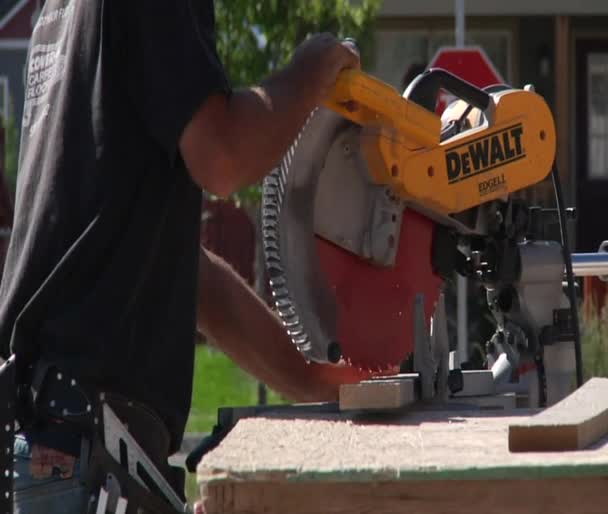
(375, 318)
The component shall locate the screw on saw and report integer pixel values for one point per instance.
(334, 352)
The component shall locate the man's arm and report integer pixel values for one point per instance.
(244, 328)
(235, 141)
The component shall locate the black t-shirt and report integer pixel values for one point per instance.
(101, 272)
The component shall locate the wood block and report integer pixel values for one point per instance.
(477, 382)
(576, 422)
(376, 394)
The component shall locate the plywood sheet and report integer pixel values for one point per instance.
(418, 445)
(428, 462)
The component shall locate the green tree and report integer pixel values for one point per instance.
(254, 38)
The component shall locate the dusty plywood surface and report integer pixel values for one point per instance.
(574, 423)
(416, 446)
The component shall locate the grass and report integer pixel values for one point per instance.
(192, 489)
(218, 382)
(594, 341)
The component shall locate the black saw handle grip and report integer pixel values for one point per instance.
(424, 89)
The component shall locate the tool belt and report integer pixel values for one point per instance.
(8, 396)
(124, 467)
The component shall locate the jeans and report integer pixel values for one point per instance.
(49, 495)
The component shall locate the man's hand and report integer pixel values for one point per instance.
(319, 60)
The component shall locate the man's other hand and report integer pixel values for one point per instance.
(327, 378)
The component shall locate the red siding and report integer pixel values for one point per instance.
(6, 207)
(228, 232)
(20, 26)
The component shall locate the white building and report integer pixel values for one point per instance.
(560, 46)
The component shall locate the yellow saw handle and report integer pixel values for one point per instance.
(365, 100)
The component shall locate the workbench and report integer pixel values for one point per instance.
(421, 462)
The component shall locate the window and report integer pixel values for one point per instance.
(400, 51)
(4, 98)
(597, 121)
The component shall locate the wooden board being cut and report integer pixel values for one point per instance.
(576, 422)
(384, 394)
(427, 462)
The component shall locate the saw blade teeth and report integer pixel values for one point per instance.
(272, 196)
(270, 240)
(272, 256)
(269, 201)
(280, 292)
(290, 321)
(294, 334)
(270, 181)
(274, 269)
(270, 247)
(283, 170)
(300, 339)
(269, 213)
(283, 303)
(270, 235)
(274, 189)
(269, 222)
(287, 312)
(292, 325)
(278, 282)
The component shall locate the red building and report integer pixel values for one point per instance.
(17, 18)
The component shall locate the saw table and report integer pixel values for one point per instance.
(423, 462)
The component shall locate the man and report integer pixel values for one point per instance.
(128, 114)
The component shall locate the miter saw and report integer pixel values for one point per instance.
(379, 202)
(377, 205)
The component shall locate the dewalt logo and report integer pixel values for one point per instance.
(485, 154)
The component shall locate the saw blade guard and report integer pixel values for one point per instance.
(345, 258)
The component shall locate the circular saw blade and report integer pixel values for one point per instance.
(328, 297)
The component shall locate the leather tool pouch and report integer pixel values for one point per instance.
(54, 395)
(104, 471)
(8, 396)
